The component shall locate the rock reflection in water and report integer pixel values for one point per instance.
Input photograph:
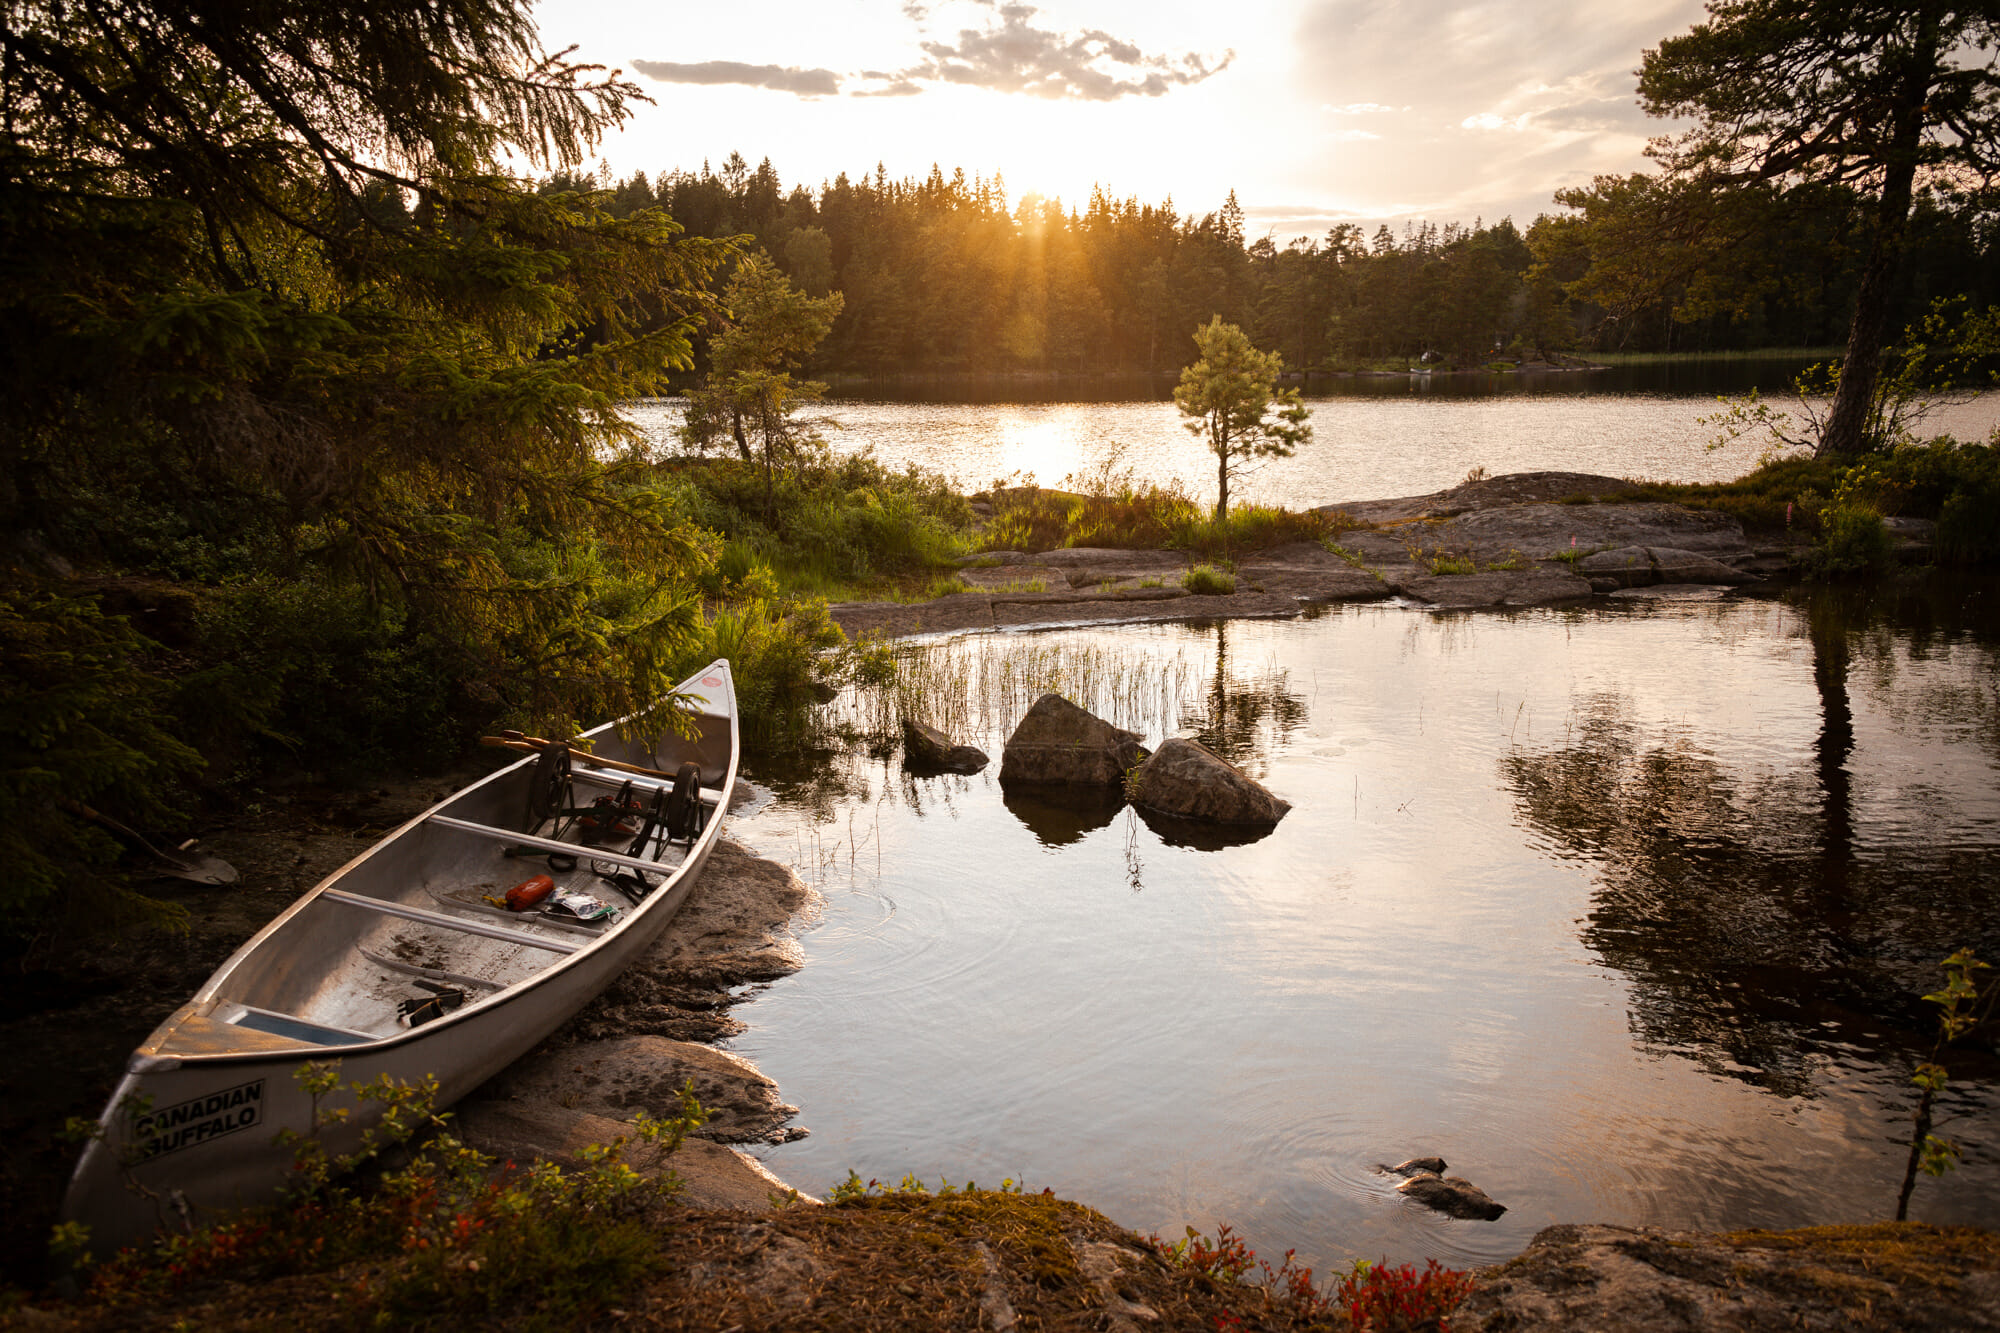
(1203, 835)
(1060, 817)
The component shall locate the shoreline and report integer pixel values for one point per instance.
(664, 1012)
(1502, 543)
(1160, 383)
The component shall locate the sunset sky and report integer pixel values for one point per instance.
(1313, 111)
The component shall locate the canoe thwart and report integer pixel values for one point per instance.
(439, 919)
(519, 839)
(709, 795)
(480, 907)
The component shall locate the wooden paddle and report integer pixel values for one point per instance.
(514, 740)
(181, 863)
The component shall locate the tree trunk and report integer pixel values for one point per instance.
(1922, 1132)
(1847, 424)
(736, 429)
(1221, 447)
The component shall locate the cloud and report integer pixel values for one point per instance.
(1007, 53)
(1598, 114)
(1496, 100)
(894, 85)
(1012, 55)
(782, 78)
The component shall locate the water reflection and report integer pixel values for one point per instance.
(1245, 714)
(1201, 835)
(1587, 902)
(1058, 820)
(1776, 922)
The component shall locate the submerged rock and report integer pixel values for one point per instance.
(1186, 779)
(1060, 744)
(928, 750)
(1454, 1196)
(1416, 1165)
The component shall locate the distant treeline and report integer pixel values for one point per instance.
(945, 275)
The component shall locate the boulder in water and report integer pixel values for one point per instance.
(928, 750)
(1415, 1166)
(1454, 1196)
(1060, 744)
(1188, 780)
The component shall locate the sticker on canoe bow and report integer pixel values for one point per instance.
(185, 1124)
(711, 681)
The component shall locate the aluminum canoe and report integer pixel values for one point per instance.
(191, 1131)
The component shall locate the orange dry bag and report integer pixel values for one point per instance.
(527, 893)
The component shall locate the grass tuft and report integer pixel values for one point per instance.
(1208, 581)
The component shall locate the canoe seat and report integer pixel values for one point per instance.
(290, 1026)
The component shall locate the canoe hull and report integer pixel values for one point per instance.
(192, 1133)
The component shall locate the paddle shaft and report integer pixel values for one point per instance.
(535, 745)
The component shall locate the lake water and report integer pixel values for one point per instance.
(1376, 439)
(1625, 911)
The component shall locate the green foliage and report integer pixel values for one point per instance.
(1108, 506)
(1441, 559)
(1959, 486)
(1852, 538)
(852, 1190)
(444, 1237)
(1942, 360)
(1962, 1010)
(1229, 397)
(784, 655)
(1856, 96)
(309, 666)
(291, 351)
(749, 393)
(834, 523)
(84, 718)
(1208, 581)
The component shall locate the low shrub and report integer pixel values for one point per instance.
(1115, 510)
(1208, 581)
(1765, 500)
(785, 655)
(450, 1238)
(1851, 536)
(1959, 486)
(85, 716)
(834, 524)
(1369, 1296)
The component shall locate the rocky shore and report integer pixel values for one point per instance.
(750, 1251)
(1527, 539)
